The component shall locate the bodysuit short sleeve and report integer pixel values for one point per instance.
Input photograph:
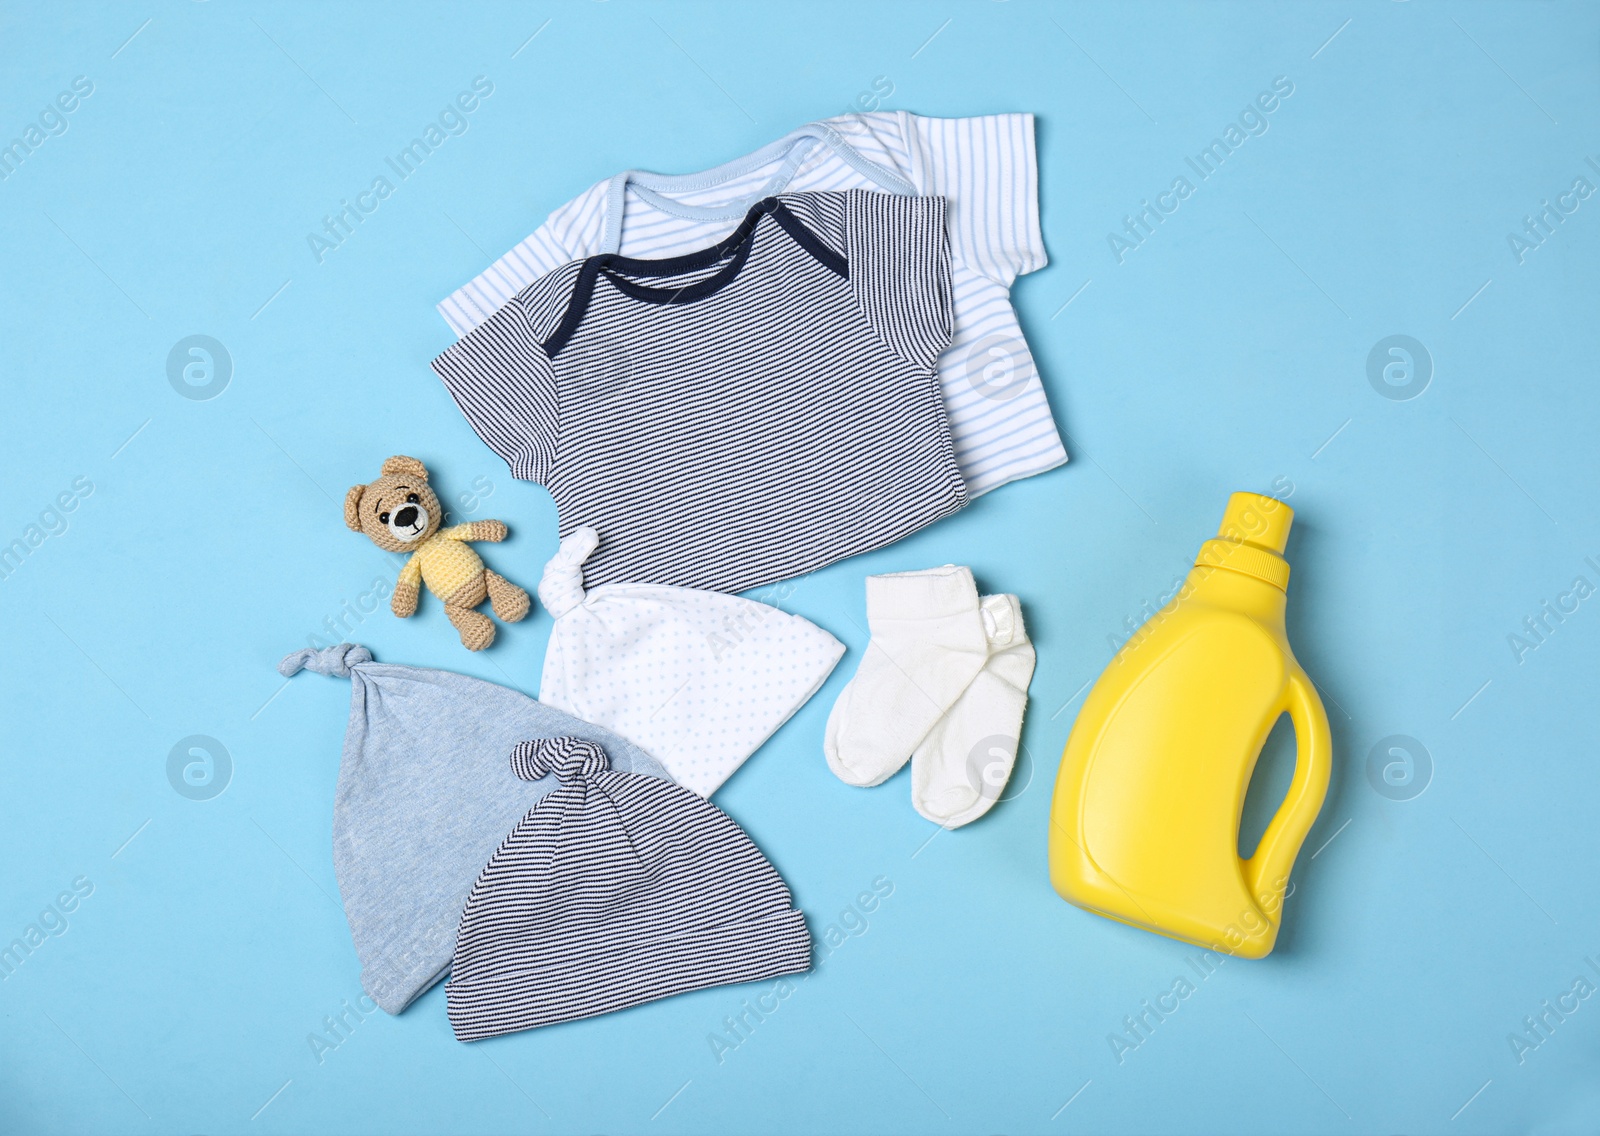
(899, 266)
(501, 378)
(987, 167)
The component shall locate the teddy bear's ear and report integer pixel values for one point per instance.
(411, 467)
(352, 502)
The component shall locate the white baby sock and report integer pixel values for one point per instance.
(961, 767)
(927, 644)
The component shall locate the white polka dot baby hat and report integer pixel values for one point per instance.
(697, 679)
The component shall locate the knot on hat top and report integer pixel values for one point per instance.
(335, 661)
(566, 757)
(561, 587)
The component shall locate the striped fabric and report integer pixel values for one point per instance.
(736, 416)
(985, 167)
(578, 757)
(614, 890)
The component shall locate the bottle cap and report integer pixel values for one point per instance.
(1251, 539)
(1257, 520)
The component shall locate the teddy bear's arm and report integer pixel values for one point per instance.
(404, 602)
(476, 530)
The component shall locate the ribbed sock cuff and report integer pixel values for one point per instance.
(932, 593)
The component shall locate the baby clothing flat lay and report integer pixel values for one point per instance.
(737, 416)
(985, 168)
(724, 381)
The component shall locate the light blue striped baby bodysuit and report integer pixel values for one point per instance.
(985, 168)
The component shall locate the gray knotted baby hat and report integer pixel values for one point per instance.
(424, 798)
(614, 890)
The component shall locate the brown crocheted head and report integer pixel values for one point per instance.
(398, 511)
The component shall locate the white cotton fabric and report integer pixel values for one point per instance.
(697, 679)
(928, 643)
(960, 769)
(985, 167)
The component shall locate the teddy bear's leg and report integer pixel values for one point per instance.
(510, 602)
(468, 595)
(477, 629)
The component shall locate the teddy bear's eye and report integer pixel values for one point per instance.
(412, 498)
(383, 518)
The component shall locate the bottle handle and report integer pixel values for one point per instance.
(1267, 872)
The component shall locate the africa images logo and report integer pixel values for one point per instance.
(199, 367)
(199, 767)
(1399, 367)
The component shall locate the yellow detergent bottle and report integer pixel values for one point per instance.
(1145, 823)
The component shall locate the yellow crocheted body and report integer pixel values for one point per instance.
(445, 563)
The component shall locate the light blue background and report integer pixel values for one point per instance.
(1228, 352)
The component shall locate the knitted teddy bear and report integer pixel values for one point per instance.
(400, 513)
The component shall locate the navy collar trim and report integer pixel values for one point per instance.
(734, 249)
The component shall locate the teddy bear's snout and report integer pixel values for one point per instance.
(408, 521)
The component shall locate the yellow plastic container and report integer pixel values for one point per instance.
(1145, 823)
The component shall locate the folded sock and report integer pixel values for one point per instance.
(961, 766)
(927, 644)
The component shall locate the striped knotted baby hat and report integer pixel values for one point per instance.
(614, 890)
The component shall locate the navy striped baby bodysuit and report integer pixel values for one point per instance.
(736, 416)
